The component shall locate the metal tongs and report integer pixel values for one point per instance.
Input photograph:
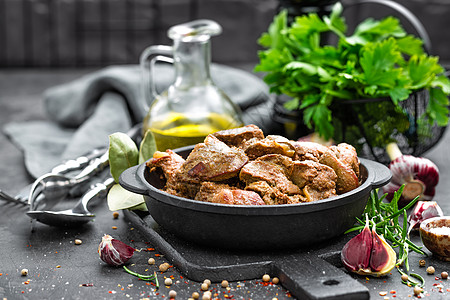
(55, 186)
(49, 189)
(77, 215)
(67, 167)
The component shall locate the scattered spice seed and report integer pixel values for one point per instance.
(78, 242)
(422, 263)
(87, 284)
(224, 284)
(151, 261)
(444, 275)
(168, 281)
(430, 270)
(382, 293)
(207, 281)
(115, 215)
(266, 278)
(164, 267)
(195, 295)
(204, 286)
(114, 227)
(417, 290)
(58, 266)
(172, 294)
(24, 272)
(207, 295)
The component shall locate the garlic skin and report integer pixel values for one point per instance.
(420, 176)
(422, 211)
(114, 252)
(368, 254)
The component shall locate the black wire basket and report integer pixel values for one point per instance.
(370, 124)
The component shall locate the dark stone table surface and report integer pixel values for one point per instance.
(60, 269)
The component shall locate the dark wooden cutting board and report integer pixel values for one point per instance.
(315, 273)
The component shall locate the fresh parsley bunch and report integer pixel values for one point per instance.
(379, 60)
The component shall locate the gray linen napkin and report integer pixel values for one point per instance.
(84, 112)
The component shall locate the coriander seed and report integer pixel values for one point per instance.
(430, 270)
(164, 267)
(266, 278)
(404, 277)
(417, 290)
(207, 281)
(168, 281)
(172, 294)
(207, 295)
(115, 215)
(444, 275)
(224, 283)
(422, 263)
(195, 295)
(24, 272)
(275, 280)
(204, 286)
(151, 261)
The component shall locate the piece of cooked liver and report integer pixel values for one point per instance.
(214, 160)
(237, 136)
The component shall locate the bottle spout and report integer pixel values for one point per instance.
(196, 30)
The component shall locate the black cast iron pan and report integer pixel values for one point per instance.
(254, 227)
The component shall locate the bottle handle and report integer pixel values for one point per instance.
(148, 59)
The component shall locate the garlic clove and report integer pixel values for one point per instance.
(383, 257)
(114, 252)
(356, 253)
(368, 254)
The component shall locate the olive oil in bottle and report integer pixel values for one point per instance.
(193, 106)
(178, 130)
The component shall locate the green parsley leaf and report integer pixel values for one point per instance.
(422, 70)
(438, 106)
(379, 60)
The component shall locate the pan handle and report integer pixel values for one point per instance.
(382, 174)
(130, 181)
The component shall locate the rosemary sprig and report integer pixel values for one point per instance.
(411, 282)
(385, 216)
(144, 277)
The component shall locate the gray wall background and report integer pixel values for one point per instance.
(86, 33)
